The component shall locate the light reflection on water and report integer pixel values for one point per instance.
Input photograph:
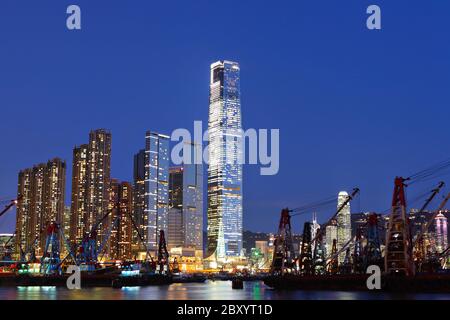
(210, 290)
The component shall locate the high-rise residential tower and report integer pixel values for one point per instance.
(344, 224)
(185, 227)
(156, 188)
(98, 179)
(90, 185)
(41, 201)
(225, 169)
(119, 222)
(23, 212)
(78, 208)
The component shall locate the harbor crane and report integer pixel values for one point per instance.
(284, 257)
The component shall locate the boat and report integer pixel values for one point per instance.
(143, 279)
(187, 278)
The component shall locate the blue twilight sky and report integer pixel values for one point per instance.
(354, 107)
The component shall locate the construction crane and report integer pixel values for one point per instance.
(419, 245)
(88, 251)
(372, 250)
(320, 232)
(399, 247)
(284, 257)
(305, 266)
(10, 205)
(398, 258)
(163, 254)
(50, 261)
(284, 254)
(332, 265)
(358, 253)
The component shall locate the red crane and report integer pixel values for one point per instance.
(398, 258)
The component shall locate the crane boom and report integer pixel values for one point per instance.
(341, 207)
(434, 193)
(10, 205)
(430, 221)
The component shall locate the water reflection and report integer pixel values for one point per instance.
(210, 290)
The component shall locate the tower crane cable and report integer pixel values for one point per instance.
(416, 199)
(315, 204)
(428, 173)
(313, 208)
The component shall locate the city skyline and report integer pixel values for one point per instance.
(359, 93)
(215, 157)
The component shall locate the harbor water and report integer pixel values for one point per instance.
(210, 290)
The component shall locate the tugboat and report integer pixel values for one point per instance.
(131, 276)
(147, 273)
(187, 278)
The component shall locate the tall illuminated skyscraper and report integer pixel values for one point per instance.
(440, 223)
(344, 224)
(224, 171)
(156, 188)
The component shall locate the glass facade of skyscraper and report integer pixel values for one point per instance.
(156, 188)
(224, 170)
(186, 203)
(344, 224)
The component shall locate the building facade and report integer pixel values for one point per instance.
(91, 170)
(186, 205)
(224, 211)
(41, 192)
(156, 198)
(344, 224)
(331, 234)
(119, 224)
(440, 225)
(65, 228)
(139, 199)
(78, 206)
(98, 179)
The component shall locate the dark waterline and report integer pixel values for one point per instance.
(218, 290)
